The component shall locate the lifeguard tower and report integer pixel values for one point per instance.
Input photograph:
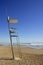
(14, 34)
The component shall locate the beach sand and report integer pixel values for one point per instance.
(29, 56)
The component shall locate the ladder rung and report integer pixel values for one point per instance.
(12, 32)
(13, 28)
(14, 36)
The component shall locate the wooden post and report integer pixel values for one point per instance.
(10, 39)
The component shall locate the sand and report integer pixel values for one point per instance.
(29, 56)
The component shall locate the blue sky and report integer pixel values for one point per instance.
(29, 13)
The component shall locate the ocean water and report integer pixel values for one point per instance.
(36, 46)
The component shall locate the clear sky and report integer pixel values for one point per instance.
(30, 16)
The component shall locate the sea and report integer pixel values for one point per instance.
(35, 45)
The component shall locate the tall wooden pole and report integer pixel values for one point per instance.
(10, 39)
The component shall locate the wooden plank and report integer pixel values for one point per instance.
(13, 21)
